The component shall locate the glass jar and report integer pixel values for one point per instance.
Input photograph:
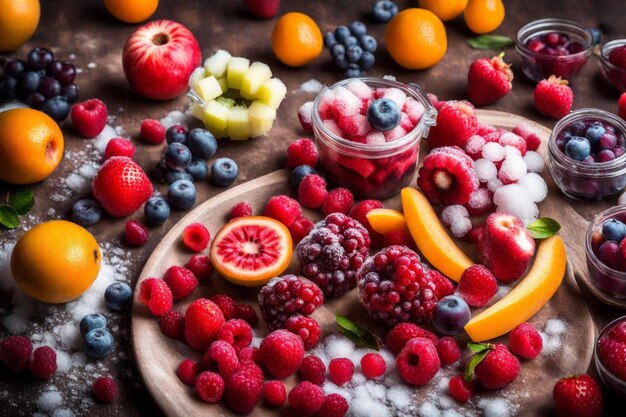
(613, 74)
(614, 384)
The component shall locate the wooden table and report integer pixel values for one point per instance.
(88, 31)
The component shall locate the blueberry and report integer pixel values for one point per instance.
(354, 53)
(353, 71)
(201, 143)
(368, 43)
(342, 33)
(384, 10)
(92, 321)
(86, 212)
(357, 28)
(29, 82)
(578, 128)
(594, 132)
(56, 107)
(70, 92)
(182, 194)
(329, 39)
(337, 50)
(383, 114)
(156, 210)
(35, 100)
(596, 36)
(14, 67)
(451, 315)
(613, 229)
(198, 169)
(50, 87)
(350, 41)
(176, 133)
(366, 61)
(298, 174)
(342, 62)
(173, 175)
(40, 58)
(177, 156)
(98, 343)
(117, 296)
(577, 148)
(8, 87)
(224, 172)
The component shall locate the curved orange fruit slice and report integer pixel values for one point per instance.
(249, 251)
(385, 220)
(532, 293)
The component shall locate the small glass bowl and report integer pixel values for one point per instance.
(587, 181)
(613, 74)
(614, 384)
(538, 66)
(372, 171)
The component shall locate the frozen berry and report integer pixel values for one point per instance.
(525, 341)
(226, 304)
(209, 387)
(300, 228)
(119, 147)
(477, 285)
(176, 133)
(334, 405)
(456, 123)
(312, 369)
(249, 353)
(152, 131)
(203, 320)
(302, 152)
(196, 237)
(451, 315)
(282, 352)
(181, 281)
(246, 312)
(283, 208)
(274, 393)
(401, 333)
(338, 200)
(240, 209)
(373, 366)
(89, 117)
(172, 325)
(305, 115)
(418, 361)
(156, 295)
(135, 233)
(237, 333)
(448, 350)
(243, 392)
(312, 191)
(92, 321)
(104, 389)
(340, 371)
(306, 399)
(383, 114)
(44, 363)
(200, 266)
(306, 327)
(221, 357)
(187, 371)
(98, 343)
(460, 389)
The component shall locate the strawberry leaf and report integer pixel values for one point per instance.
(359, 335)
(478, 347)
(9, 217)
(493, 42)
(22, 201)
(473, 363)
(543, 228)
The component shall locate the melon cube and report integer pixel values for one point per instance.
(228, 102)
(256, 75)
(197, 111)
(238, 123)
(215, 115)
(356, 125)
(414, 109)
(333, 127)
(396, 95)
(217, 63)
(237, 68)
(208, 88)
(196, 76)
(345, 104)
(272, 92)
(261, 118)
(219, 134)
(360, 89)
(223, 82)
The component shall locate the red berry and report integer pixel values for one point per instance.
(617, 56)
(312, 191)
(488, 80)
(612, 354)
(456, 123)
(553, 97)
(477, 285)
(249, 353)
(460, 389)
(282, 352)
(201, 267)
(401, 333)
(498, 368)
(448, 350)
(282, 208)
(119, 147)
(251, 369)
(203, 320)
(15, 352)
(334, 405)
(578, 396)
(525, 341)
(181, 281)
(209, 387)
(530, 135)
(226, 304)
(246, 312)
(44, 363)
(89, 117)
(338, 200)
(621, 106)
(513, 140)
(221, 357)
(306, 327)
(196, 237)
(237, 333)
(152, 131)
(300, 228)
(418, 361)
(172, 325)
(265, 9)
(619, 332)
(241, 209)
(373, 366)
(340, 371)
(305, 116)
(443, 286)
(156, 295)
(398, 237)
(274, 393)
(312, 369)
(187, 371)
(135, 233)
(302, 152)
(104, 389)
(359, 213)
(243, 392)
(306, 399)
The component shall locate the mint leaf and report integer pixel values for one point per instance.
(359, 335)
(9, 217)
(473, 363)
(493, 42)
(543, 228)
(22, 201)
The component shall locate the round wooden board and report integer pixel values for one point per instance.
(157, 356)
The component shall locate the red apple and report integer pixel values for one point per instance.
(158, 59)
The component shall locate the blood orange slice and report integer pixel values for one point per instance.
(251, 250)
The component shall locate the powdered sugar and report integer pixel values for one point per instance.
(311, 86)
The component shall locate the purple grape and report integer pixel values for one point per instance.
(605, 155)
(70, 92)
(35, 100)
(54, 68)
(8, 87)
(40, 58)
(50, 87)
(14, 67)
(451, 315)
(67, 74)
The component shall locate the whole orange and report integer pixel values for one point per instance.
(484, 16)
(55, 261)
(31, 146)
(416, 39)
(18, 22)
(296, 39)
(131, 11)
(445, 10)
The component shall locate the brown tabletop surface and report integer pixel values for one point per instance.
(85, 29)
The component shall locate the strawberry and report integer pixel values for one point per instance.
(121, 186)
(578, 396)
(493, 365)
(553, 97)
(265, 9)
(456, 123)
(621, 105)
(612, 354)
(488, 80)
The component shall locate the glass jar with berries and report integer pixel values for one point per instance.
(368, 133)
(608, 359)
(613, 63)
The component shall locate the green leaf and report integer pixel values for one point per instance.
(359, 335)
(22, 201)
(478, 347)
(9, 217)
(473, 363)
(543, 228)
(493, 42)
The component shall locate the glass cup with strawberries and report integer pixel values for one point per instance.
(613, 63)
(368, 133)
(608, 357)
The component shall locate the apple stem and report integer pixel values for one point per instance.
(160, 38)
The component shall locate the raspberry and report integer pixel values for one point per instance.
(340, 371)
(226, 304)
(338, 200)
(300, 228)
(196, 237)
(104, 389)
(460, 389)
(525, 341)
(302, 152)
(237, 333)
(274, 393)
(553, 97)
(249, 353)
(119, 147)
(306, 399)
(477, 285)
(246, 312)
(306, 327)
(448, 350)
(187, 371)
(152, 131)
(456, 123)
(312, 369)
(418, 361)
(243, 392)
(89, 117)
(334, 405)
(286, 296)
(401, 333)
(619, 332)
(333, 252)
(359, 213)
(511, 139)
(443, 286)
(44, 363)
(281, 352)
(251, 369)
(221, 356)
(135, 233)
(304, 115)
(181, 281)
(530, 135)
(498, 368)
(488, 80)
(201, 267)
(15, 352)
(172, 325)
(612, 354)
(241, 209)
(203, 320)
(312, 191)
(156, 295)
(282, 208)
(394, 287)
(373, 366)
(209, 387)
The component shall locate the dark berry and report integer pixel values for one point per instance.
(368, 43)
(29, 82)
(198, 169)
(350, 41)
(66, 74)
(181, 194)
(91, 322)
(614, 229)
(8, 87)
(70, 92)
(337, 50)
(594, 133)
(578, 148)
(329, 39)
(354, 53)
(40, 58)
(177, 156)
(57, 108)
(86, 212)
(451, 315)
(173, 175)
(50, 87)
(366, 61)
(353, 71)
(224, 172)
(357, 28)
(117, 296)
(384, 10)
(298, 174)
(201, 143)
(383, 114)
(156, 210)
(342, 33)
(176, 133)
(98, 343)
(14, 68)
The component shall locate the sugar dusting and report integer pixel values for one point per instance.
(311, 86)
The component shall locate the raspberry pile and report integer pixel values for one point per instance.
(351, 48)
(17, 355)
(611, 350)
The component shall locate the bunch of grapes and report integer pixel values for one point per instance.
(351, 48)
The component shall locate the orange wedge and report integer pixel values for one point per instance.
(532, 293)
(431, 237)
(385, 220)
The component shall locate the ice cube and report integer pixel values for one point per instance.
(493, 151)
(451, 213)
(534, 161)
(513, 169)
(514, 199)
(474, 146)
(460, 227)
(494, 184)
(375, 137)
(360, 89)
(396, 95)
(326, 105)
(356, 125)
(485, 170)
(345, 104)
(395, 133)
(535, 187)
(511, 150)
(338, 346)
(406, 123)
(414, 109)
(332, 126)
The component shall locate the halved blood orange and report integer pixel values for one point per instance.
(249, 251)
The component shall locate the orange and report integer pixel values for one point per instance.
(385, 220)
(484, 16)
(416, 39)
(31, 146)
(18, 22)
(56, 261)
(444, 9)
(296, 39)
(131, 11)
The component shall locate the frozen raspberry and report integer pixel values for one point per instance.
(306, 327)
(135, 233)
(498, 368)
(44, 363)
(286, 296)
(530, 135)
(401, 333)
(460, 389)
(181, 281)
(196, 237)
(243, 392)
(306, 399)
(226, 304)
(300, 228)
(312, 191)
(187, 371)
(274, 393)
(237, 333)
(221, 357)
(312, 369)
(447, 176)
(612, 354)
(332, 253)
(89, 117)
(340, 371)
(334, 405)
(359, 213)
(480, 202)
(448, 350)
(282, 208)
(209, 387)
(203, 320)
(511, 139)
(418, 361)
(156, 295)
(373, 366)
(302, 152)
(201, 267)
(304, 115)
(246, 312)
(152, 131)
(456, 123)
(104, 389)
(15, 352)
(281, 352)
(443, 286)
(172, 325)
(338, 200)
(525, 341)
(241, 209)
(250, 353)
(477, 285)
(119, 147)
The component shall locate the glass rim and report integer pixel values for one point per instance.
(531, 27)
(608, 47)
(604, 215)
